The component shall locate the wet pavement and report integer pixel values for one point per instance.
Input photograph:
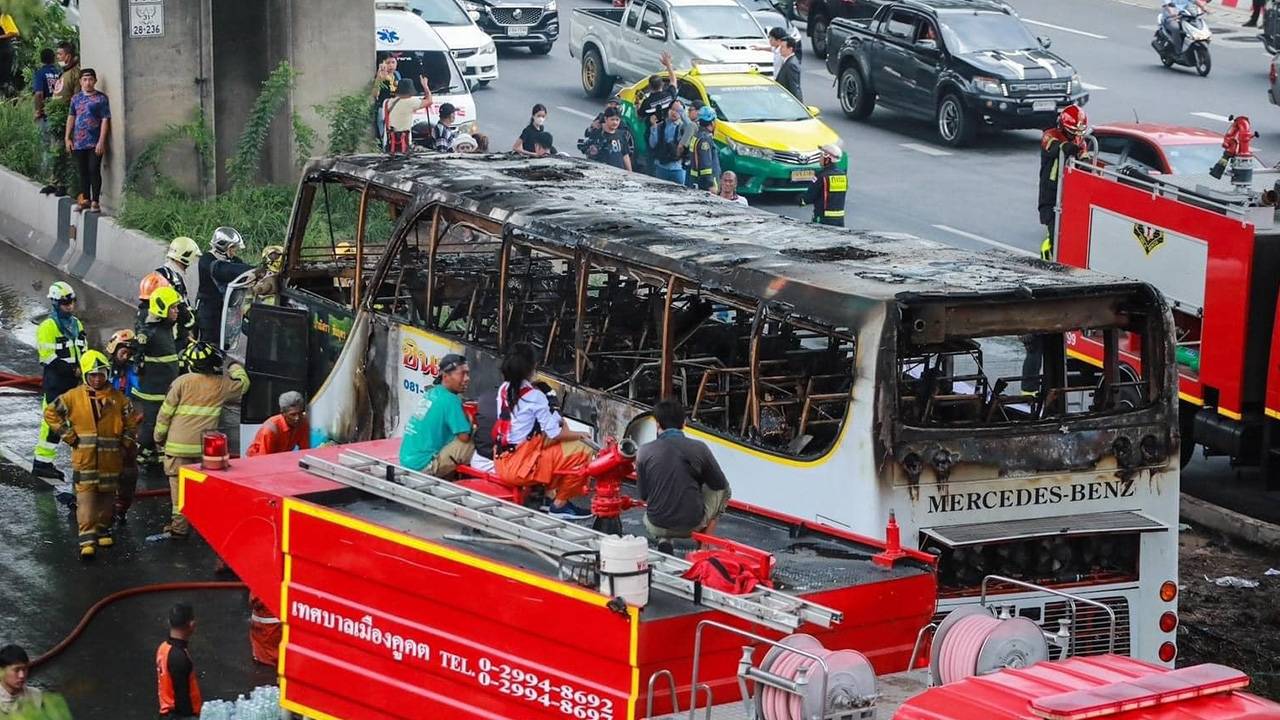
(109, 672)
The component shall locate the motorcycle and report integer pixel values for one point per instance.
(1194, 50)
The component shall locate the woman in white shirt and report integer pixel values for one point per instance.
(532, 442)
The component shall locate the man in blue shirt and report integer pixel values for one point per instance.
(43, 85)
(664, 141)
(437, 439)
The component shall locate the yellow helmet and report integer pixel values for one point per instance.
(162, 299)
(93, 362)
(183, 249)
(273, 258)
(201, 357)
(344, 248)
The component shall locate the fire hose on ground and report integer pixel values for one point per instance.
(128, 593)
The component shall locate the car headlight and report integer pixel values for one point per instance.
(550, 6)
(472, 7)
(490, 48)
(1076, 84)
(750, 150)
(467, 127)
(989, 85)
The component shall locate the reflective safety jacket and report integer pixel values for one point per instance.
(176, 679)
(99, 425)
(827, 196)
(159, 343)
(60, 355)
(1054, 145)
(704, 161)
(192, 406)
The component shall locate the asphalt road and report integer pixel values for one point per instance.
(901, 177)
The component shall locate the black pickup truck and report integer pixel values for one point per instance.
(963, 63)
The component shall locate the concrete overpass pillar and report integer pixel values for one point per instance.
(161, 61)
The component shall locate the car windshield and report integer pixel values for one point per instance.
(756, 103)
(1196, 159)
(436, 65)
(440, 12)
(715, 22)
(966, 32)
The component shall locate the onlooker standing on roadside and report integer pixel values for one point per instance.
(443, 132)
(69, 82)
(527, 144)
(88, 125)
(43, 84)
(729, 187)
(610, 146)
(789, 73)
(664, 141)
(15, 694)
(8, 53)
(176, 674)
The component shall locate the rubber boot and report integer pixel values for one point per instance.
(87, 552)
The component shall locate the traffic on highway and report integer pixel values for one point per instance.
(807, 359)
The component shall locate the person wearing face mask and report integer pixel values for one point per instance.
(527, 144)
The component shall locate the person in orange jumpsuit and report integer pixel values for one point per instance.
(280, 433)
(286, 431)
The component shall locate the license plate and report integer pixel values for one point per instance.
(1043, 106)
(518, 31)
(802, 175)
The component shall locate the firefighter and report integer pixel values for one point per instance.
(1057, 144)
(160, 341)
(122, 350)
(266, 290)
(181, 253)
(100, 425)
(192, 406)
(60, 342)
(179, 691)
(217, 269)
(704, 158)
(827, 193)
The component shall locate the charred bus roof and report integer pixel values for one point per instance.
(828, 274)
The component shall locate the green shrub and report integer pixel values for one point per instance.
(259, 212)
(350, 122)
(242, 168)
(20, 141)
(147, 165)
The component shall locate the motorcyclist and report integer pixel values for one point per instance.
(218, 268)
(1171, 18)
(1067, 139)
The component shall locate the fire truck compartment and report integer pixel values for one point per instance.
(437, 621)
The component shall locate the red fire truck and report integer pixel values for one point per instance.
(408, 597)
(1212, 246)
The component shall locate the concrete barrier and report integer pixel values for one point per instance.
(88, 246)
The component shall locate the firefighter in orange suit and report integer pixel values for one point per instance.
(827, 194)
(100, 424)
(175, 673)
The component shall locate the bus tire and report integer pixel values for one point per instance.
(1187, 428)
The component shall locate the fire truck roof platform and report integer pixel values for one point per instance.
(433, 612)
(824, 272)
(1254, 204)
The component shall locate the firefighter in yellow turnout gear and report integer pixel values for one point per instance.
(60, 343)
(192, 406)
(100, 424)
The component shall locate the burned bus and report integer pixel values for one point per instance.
(837, 375)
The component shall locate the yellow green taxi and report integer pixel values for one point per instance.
(766, 136)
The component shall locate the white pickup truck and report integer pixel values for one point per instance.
(626, 44)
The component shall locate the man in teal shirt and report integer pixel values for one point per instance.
(437, 439)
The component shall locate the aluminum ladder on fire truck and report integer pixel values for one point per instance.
(539, 531)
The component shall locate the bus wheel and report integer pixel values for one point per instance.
(1187, 427)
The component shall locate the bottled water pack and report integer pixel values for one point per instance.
(262, 704)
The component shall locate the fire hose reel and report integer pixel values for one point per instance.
(789, 685)
(970, 641)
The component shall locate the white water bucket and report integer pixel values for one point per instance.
(624, 568)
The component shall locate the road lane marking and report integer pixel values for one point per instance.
(579, 113)
(1212, 116)
(926, 149)
(988, 241)
(1091, 86)
(1085, 33)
